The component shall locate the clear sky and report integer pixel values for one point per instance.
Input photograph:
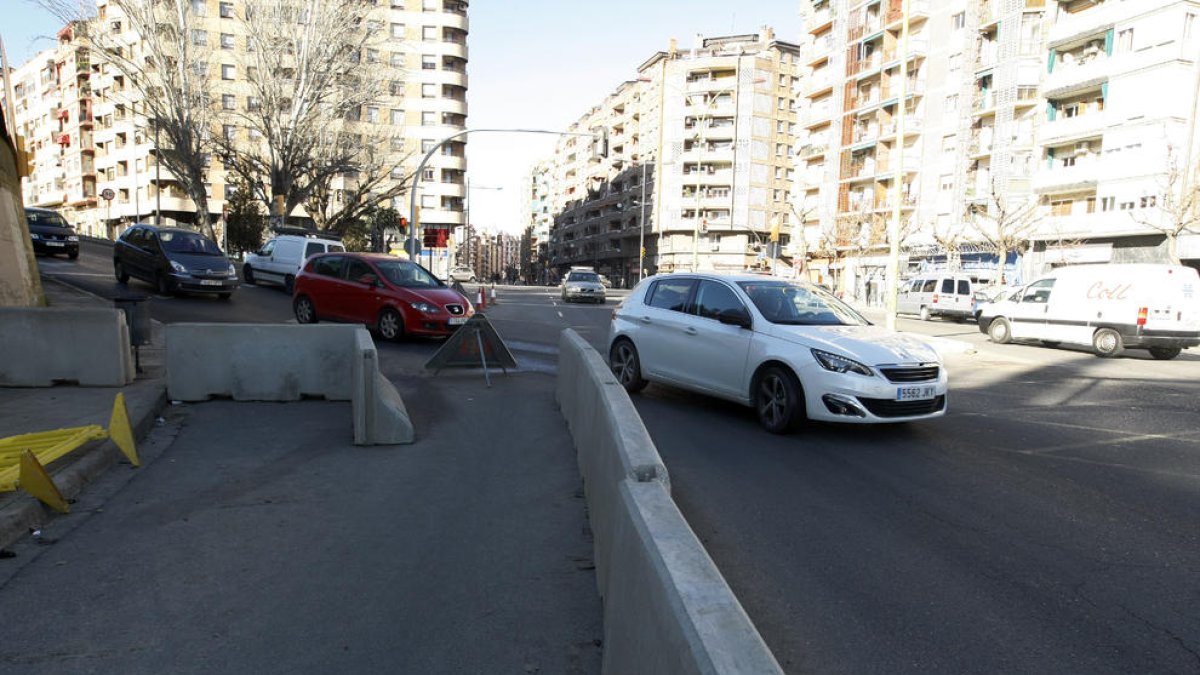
(534, 64)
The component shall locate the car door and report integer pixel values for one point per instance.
(127, 249)
(714, 353)
(325, 285)
(262, 264)
(1029, 319)
(663, 319)
(359, 302)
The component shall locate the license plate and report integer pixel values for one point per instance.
(457, 320)
(209, 282)
(55, 243)
(915, 393)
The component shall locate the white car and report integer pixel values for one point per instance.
(580, 285)
(461, 274)
(791, 350)
(280, 259)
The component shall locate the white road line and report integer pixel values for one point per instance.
(560, 315)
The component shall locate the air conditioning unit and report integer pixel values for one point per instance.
(1083, 147)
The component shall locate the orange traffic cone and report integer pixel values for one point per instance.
(480, 300)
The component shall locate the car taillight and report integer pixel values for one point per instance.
(1142, 312)
(935, 298)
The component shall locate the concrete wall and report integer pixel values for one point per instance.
(276, 362)
(667, 609)
(43, 346)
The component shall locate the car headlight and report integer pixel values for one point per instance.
(178, 267)
(840, 364)
(425, 307)
(232, 271)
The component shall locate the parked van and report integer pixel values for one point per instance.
(937, 294)
(1109, 307)
(280, 259)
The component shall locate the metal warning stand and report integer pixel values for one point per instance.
(473, 345)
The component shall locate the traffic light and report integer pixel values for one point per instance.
(600, 143)
(403, 225)
(775, 232)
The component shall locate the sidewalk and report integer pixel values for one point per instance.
(257, 538)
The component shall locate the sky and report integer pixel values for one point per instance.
(533, 64)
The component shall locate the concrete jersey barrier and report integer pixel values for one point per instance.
(279, 362)
(667, 609)
(45, 346)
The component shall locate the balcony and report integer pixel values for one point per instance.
(865, 135)
(813, 151)
(917, 48)
(1070, 77)
(917, 10)
(912, 126)
(1067, 129)
(821, 48)
(1091, 21)
(819, 20)
(1088, 225)
(859, 170)
(1083, 176)
(888, 165)
(818, 83)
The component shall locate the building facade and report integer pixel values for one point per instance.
(83, 120)
(697, 173)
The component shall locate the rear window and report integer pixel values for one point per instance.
(964, 287)
(947, 285)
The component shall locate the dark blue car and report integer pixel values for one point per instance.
(173, 259)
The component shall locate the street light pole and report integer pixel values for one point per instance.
(642, 226)
(893, 268)
(157, 178)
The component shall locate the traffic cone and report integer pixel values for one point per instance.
(480, 300)
(492, 299)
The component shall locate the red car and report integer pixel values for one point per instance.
(392, 296)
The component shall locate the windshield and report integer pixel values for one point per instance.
(584, 276)
(188, 242)
(407, 274)
(46, 219)
(793, 304)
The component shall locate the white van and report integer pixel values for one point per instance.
(937, 294)
(282, 256)
(1110, 307)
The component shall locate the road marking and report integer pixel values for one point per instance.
(78, 274)
(560, 315)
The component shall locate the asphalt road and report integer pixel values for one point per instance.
(1046, 524)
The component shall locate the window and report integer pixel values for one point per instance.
(964, 287)
(372, 114)
(947, 286)
(428, 62)
(1038, 291)
(427, 144)
(431, 5)
(200, 7)
(228, 101)
(397, 60)
(1126, 206)
(312, 248)
(199, 37)
(329, 266)
(929, 286)
(226, 9)
(1149, 202)
(1124, 40)
(714, 297)
(396, 117)
(946, 183)
(959, 20)
(1108, 203)
(398, 31)
(1060, 207)
(227, 71)
(671, 294)
(429, 90)
(428, 118)
(430, 201)
(372, 56)
(430, 33)
(1069, 110)
(955, 62)
(226, 41)
(1068, 161)
(229, 131)
(428, 174)
(358, 269)
(396, 88)
(252, 103)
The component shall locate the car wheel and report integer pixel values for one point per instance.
(623, 360)
(925, 315)
(391, 325)
(1165, 353)
(120, 273)
(162, 284)
(73, 255)
(248, 274)
(778, 400)
(304, 310)
(289, 284)
(1000, 331)
(1107, 343)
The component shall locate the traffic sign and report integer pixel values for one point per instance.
(107, 194)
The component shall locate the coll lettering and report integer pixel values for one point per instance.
(1098, 291)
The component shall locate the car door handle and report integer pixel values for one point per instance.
(646, 319)
(691, 331)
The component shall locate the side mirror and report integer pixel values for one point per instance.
(735, 317)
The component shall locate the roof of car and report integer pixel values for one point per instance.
(734, 277)
(365, 255)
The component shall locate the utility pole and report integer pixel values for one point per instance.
(893, 267)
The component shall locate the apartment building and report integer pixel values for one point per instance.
(72, 107)
(698, 168)
(1048, 124)
(1118, 128)
(535, 253)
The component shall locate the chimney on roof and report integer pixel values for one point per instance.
(766, 34)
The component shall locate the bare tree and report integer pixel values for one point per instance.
(375, 181)
(1178, 206)
(949, 237)
(153, 50)
(1004, 223)
(309, 86)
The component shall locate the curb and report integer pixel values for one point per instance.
(83, 466)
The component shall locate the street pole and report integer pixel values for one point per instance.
(642, 226)
(157, 178)
(893, 267)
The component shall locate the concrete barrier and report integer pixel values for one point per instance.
(44, 346)
(667, 609)
(279, 362)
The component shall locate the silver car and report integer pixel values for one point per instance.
(582, 285)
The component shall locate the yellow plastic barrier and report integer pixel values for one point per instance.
(23, 458)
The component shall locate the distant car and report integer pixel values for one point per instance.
(173, 259)
(582, 285)
(789, 349)
(280, 259)
(51, 234)
(391, 296)
(461, 274)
